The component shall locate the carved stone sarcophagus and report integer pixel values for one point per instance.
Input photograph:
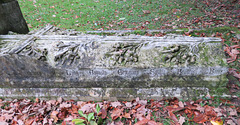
(104, 67)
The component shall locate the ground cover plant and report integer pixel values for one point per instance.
(212, 18)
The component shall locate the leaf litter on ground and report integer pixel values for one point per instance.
(138, 112)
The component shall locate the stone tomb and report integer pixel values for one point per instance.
(11, 18)
(51, 64)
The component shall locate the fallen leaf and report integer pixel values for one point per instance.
(20, 122)
(118, 123)
(54, 115)
(232, 112)
(151, 122)
(4, 123)
(229, 122)
(116, 113)
(201, 118)
(235, 51)
(70, 118)
(146, 11)
(29, 121)
(209, 111)
(60, 100)
(238, 121)
(127, 115)
(173, 117)
(104, 113)
(181, 120)
(142, 110)
(128, 104)
(142, 102)
(37, 100)
(65, 105)
(87, 108)
(180, 103)
(116, 104)
(142, 122)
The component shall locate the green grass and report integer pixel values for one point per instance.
(86, 15)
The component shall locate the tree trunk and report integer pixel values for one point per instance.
(11, 18)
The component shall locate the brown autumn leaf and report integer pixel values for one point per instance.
(235, 51)
(142, 110)
(200, 118)
(54, 115)
(118, 123)
(63, 113)
(7, 116)
(151, 122)
(65, 105)
(29, 121)
(20, 122)
(37, 100)
(104, 113)
(116, 113)
(142, 122)
(69, 118)
(149, 114)
(142, 102)
(232, 112)
(139, 116)
(126, 115)
(181, 120)
(137, 106)
(74, 109)
(87, 108)
(173, 117)
(218, 111)
(45, 121)
(51, 102)
(146, 11)
(60, 100)
(128, 104)
(200, 108)
(173, 109)
(180, 103)
(209, 111)
(238, 121)
(116, 104)
(230, 122)
(4, 123)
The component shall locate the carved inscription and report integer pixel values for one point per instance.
(127, 72)
(152, 73)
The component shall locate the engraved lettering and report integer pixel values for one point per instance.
(69, 73)
(212, 70)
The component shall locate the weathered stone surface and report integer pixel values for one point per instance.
(119, 67)
(99, 94)
(11, 18)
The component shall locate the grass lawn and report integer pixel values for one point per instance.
(85, 15)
